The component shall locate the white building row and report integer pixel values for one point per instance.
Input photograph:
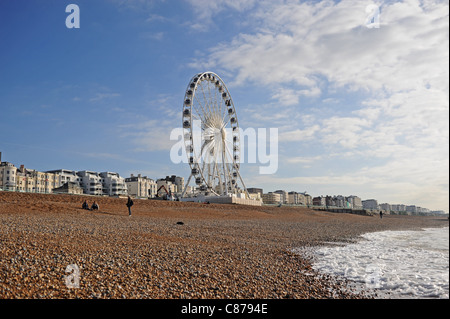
(339, 201)
(92, 183)
(89, 182)
(395, 208)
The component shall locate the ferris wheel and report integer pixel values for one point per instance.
(211, 137)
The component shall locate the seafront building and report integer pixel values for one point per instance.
(141, 186)
(295, 198)
(370, 204)
(23, 179)
(398, 208)
(113, 184)
(8, 175)
(30, 180)
(319, 201)
(283, 196)
(63, 176)
(92, 183)
(177, 181)
(254, 190)
(255, 196)
(165, 187)
(69, 188)
(355, 202)
(272, 198)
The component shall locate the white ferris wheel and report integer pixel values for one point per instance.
(212, 137)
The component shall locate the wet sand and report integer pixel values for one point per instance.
(172, 249)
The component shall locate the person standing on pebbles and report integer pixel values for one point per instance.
(129, 204)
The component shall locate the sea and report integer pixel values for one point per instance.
(392, 264)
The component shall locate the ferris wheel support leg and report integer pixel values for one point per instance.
(185, 186)
(225, 172)
(243, 185)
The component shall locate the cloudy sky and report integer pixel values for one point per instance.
(361, 106)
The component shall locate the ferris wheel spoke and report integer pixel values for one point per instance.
(197, 117)
(215, 98)
(204, 97)
(224, 121)
(201, 106)
(198, 114)
(218, 104)
(210, 97)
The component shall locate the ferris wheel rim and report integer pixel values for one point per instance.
(193, 158)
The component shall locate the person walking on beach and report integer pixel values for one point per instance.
(129, 204)
(381, 214)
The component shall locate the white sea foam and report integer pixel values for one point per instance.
(396, 264)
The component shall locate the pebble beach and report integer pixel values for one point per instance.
(173, 250)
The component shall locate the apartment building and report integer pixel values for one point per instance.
(26, 180)
(91, 182)
(113, 184)
(141, 186)
(272, 198)
(355, 202)
(33, 180)
(283, 194)
(341, 201)
(411, 209)
(69, 188)
(292, 198)
(163, 187)
(370, 204)
(253, 190)
(296, 198)
(319, 201)
(254, 196)
(399, 208)
(177, 181)
(8, 176)
(62, 176)
(331, 201)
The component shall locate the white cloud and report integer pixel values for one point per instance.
(298, 41)
(152, 35)
(207, 9)
(299, 135)
(303, 160)
(288, 97)
(102, 96)
(148, 135)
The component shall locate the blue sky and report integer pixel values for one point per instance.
(359, 111)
